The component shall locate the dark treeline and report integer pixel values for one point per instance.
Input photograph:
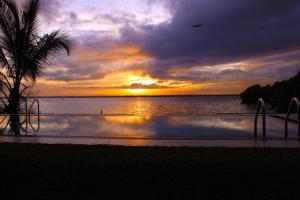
(278, 95)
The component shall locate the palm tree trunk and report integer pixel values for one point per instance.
(14, 99)
(15, 124)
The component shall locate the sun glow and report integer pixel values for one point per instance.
(138, 91)
(142, 80)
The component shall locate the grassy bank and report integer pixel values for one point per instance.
(89, 172)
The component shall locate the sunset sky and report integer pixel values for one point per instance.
(149, 47)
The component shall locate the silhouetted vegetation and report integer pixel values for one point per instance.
(278, 95)
(24, 53)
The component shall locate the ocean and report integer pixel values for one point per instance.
(146, 106)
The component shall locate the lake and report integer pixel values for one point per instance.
(146, 106)
(157, 121)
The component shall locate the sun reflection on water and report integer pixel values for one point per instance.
(131, 120)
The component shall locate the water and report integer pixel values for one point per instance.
(164, 121)
(146, 106)
(228, 126)
(220, 130)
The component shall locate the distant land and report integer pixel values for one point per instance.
(224, 95)
(278, 95)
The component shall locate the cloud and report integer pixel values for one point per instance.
(233, 31)
(265, 69)
(51, 11)
(92, 63)
(241, 42)
(143, 86)
(131, 86)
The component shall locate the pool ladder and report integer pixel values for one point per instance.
(26, 122)
(35, 101)
(28, 113)
(261, 105)
(296, 102)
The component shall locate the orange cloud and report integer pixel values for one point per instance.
(125, 53)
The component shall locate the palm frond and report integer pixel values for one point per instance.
(29, 19)
(3, 59)
(7, 31)
(4, 85)
(22, 51)
(44, 52)
(11, 4)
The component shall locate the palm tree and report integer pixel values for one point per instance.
(24, 54)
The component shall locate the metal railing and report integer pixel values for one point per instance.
(26, 115)
(295, 101)
(261, 104)
(35, 101)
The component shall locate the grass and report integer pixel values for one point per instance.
(94, 172)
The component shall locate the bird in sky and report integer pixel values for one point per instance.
(198, 25)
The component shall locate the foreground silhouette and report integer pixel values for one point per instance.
(24, 53)
(279, 94)
(112, 172)
(19, 125)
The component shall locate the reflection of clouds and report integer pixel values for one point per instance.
(92, 126)
(221, 123)
(141, 127)
(215, 122)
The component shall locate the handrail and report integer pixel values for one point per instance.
(294, 101)
(30, 109)
(27, 121)
(261, 104)
(38, 104)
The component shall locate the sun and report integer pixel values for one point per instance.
(138, 91)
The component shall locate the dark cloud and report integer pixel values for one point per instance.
(263, 70)
(233, 31)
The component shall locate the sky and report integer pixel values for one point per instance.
(149, 47)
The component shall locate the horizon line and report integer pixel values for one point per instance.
(124, 96)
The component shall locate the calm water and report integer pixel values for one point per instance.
(146, 106)
(229, 126)
(141, 121)
(231, 130)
